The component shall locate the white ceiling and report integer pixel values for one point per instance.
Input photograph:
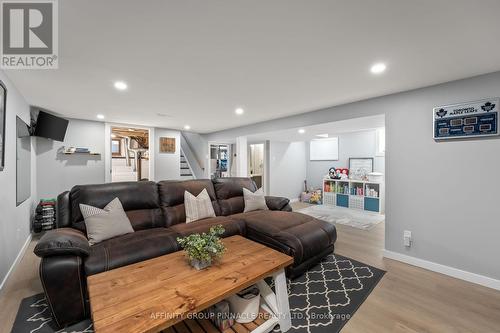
(196, 61)
(311, 132)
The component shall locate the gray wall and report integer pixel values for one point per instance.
(287, 168)
(355, 144)
(197, 152)
(167, 166)
(446, 193)
(57, 172)
(14, 221)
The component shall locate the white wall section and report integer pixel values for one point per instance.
(446, 193)
(287, 168)
(167, 165)
(354, 144)
(15, 222)
(241, 156)
(57, 172)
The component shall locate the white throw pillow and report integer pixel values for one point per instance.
(106, 223)
(198, 207)
(254, 200)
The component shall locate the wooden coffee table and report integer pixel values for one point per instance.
(156, 294)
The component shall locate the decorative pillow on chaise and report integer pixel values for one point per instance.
(106, 223)
(254, 200)
(198, 207)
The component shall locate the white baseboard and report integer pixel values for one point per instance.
(446, 270)
(17, 260)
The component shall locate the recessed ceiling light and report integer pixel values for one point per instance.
(120, 85)
(100, 116)
(239, 111)
(130, 130)
(301, 131)
(378, 68)
(113, 136)
(187, 127)
(322, 135)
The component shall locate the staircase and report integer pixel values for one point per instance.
(193, 161)
(186, 172)
(121, 172)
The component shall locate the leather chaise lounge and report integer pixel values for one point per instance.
(156, 212)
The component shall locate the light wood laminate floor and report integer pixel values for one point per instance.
(408, 299)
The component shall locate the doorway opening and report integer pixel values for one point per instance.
(220, 160)
(336, 169)
(256, 153)
(129, 154)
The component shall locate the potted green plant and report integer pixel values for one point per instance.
(203, 249)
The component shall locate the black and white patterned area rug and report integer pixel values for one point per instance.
(321, 301)
(34, 316)
(326, 297)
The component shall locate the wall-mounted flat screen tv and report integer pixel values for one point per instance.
(50, 126)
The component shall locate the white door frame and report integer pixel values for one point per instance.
(265, 183)
(107, 149)
(229, 164)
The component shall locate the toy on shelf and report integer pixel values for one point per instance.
(332, 174)
(338, 173)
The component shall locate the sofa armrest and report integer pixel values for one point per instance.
(277, 203)
(63, 241)
(63, 210)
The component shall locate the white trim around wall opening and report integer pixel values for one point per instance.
(107, 149)
(380, 141)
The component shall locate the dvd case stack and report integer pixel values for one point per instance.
(45, 215)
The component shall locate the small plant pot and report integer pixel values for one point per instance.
(199, 264)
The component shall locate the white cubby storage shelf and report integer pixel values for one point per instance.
(351, 193)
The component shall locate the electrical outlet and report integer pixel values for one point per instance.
(407, 238)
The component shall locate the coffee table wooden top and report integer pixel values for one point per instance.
(155, 294)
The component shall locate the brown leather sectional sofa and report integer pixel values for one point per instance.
(156, 211)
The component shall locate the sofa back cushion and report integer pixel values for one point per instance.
(229, 192)
(172, 197)
(140, 201)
